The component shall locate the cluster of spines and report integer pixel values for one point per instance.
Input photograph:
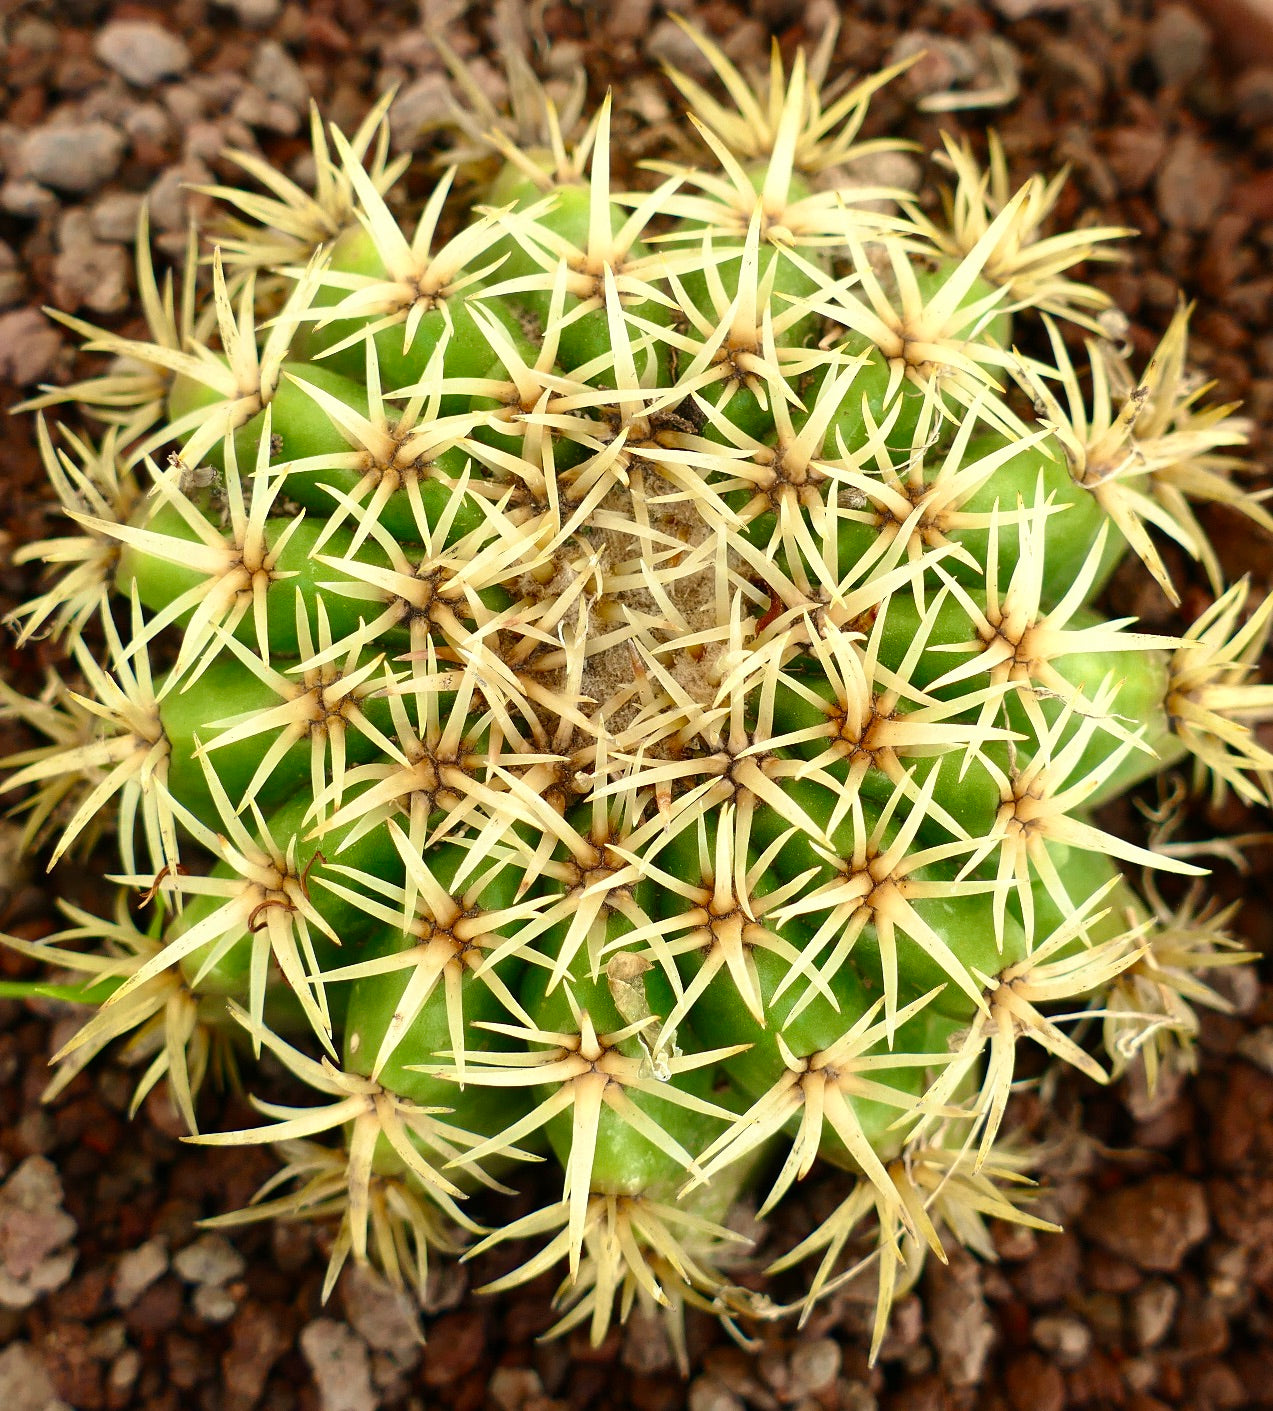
(623, 681)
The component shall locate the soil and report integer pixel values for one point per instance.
(1160, 1292)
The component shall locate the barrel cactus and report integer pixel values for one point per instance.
(615, 678)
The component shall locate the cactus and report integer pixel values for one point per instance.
(616, 678)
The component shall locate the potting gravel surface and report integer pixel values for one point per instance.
(1159, 1291)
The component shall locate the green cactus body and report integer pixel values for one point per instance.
(626, 685)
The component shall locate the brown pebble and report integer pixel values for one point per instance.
(1052, 1271)
(1192, 183)
(1108, 1272)
(457, 1342)
(74, 1371)
(158, 1309)
(1215, 1386)
(1153, 1224)
(29, 346)
(1034, 1384)
(258, 1338)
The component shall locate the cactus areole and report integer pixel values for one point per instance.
(615, 678)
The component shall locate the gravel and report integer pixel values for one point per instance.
(35, 1232)
(142, 52)
(75, 156)
(211, 1260)
(341, 1366)
(137, 1270)
(1153, 1224)
(24, 1383)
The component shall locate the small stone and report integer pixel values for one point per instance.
(645, 1344)
(136, 1270)
(1179, 43)
(211, 1260)
(513, 1388)
(384, 1317)
(255, 109)
(1154, 1224)
(257, 1341)
(213, 1303)
(34, 1229)
(1192, 184)
(73, 157)
(959, 1323)
(279, 76)
(1153, 1306)
(1253, 97)
(141, 51)
(1065, 1338)
(1034, 1384)
(418, 109)
(24, 1383)
(113, 217)
(1013, 10)
(628, 19)
(30, 347)
(147, 122)
(342, 1369)
(814, 1365)
(669, 44)
(27, 200)
(169, 199)
(93, 275)
(457, 1344)
(709, 1393)
(125, 1370)
(256, 14)
(36, 34)
(1134, 154)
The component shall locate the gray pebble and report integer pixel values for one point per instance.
(279, 76)
(253, 109)
(342, 1369)
(74, 228)
(1191, 185)
(960, 1327)
(211, 1260)
(1065, 1338)
(24, 1383)
(669, 44)
(141, 52)
(147, 122)
(815, 1364)
(93, 274)
(136, 1270)
(34, 1229)
(386, 1318)
(709, 1393)
(1179, 43)
(114, 216)
(72, 157)
(28, 200)
(169, 199)
(214, 1304)
(418, 108)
